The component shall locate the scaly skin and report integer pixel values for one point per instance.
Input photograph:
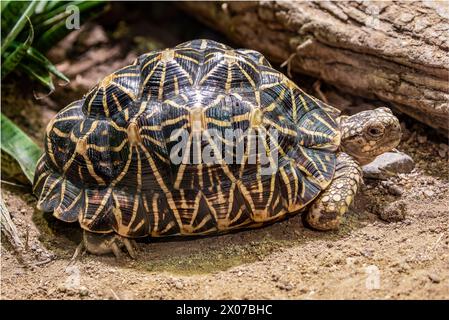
(329, 207)
(108, 243)
(364, 136)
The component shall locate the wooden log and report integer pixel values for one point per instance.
(396, 52)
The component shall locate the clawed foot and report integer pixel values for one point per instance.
(100, 244)
(323, 217)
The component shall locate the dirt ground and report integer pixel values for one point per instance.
(376, 254)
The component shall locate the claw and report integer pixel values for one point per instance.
(116, 250)
(107, 243)
(135, 245)
(129, 247)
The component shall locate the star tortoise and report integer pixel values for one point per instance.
(202, 139)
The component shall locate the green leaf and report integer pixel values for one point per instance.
(11, 11)
(14, 58)
(4, 3)
(39, 73)
(41, 6)
(37, 57)
(53, 35)
(20, 24)
(18, 145)
(54, 4)
(33, 56)
(54, 8)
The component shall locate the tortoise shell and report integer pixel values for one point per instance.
(113, 159)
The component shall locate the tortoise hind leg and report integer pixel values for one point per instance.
(99, 244)
(333, 203)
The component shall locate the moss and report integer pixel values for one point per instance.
(41, 222)
(215, 259)
(58, 236)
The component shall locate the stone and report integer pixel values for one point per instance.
(395, 190)
(394, 212)
(428, 193)
(388, 164)
(422, 138)
(434, 278)
(287, 286)
(83, 291)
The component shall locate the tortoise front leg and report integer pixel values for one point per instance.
(329, 207)
(100, 244)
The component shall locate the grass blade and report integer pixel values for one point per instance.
(41, 6)
(14, 58)
(18, 145)
(52, 9)
(4, 3)
(37, 72)
(18, 27)
(37, 57)
(11, 11)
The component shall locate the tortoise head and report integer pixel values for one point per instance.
(370, 133)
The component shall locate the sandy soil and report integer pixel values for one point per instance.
(375, 254)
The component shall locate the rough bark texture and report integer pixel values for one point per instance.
(393, 51)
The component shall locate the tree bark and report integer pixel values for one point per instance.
(396, 52)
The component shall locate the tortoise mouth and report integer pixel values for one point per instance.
(385, 146)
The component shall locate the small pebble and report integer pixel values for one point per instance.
(83, 291)
(422, 138)
(395, 190)
(403, 267)
(386, 183)
(442, 153)
(443, 146)
(394, 212)
(428, 193)
(287, 286)
(179, 285)
(434, 278)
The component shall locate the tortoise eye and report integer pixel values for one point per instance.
(375, 131)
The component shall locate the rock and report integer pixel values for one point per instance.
(443, 149)
(394, 212)
(428, 193)
(387, 164)
(403, 267)
(422, 138)
(434, 278)
(83, 291)
(395, 190)
(287, 286)
(178, 284)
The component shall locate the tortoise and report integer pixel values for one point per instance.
(153, 150)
